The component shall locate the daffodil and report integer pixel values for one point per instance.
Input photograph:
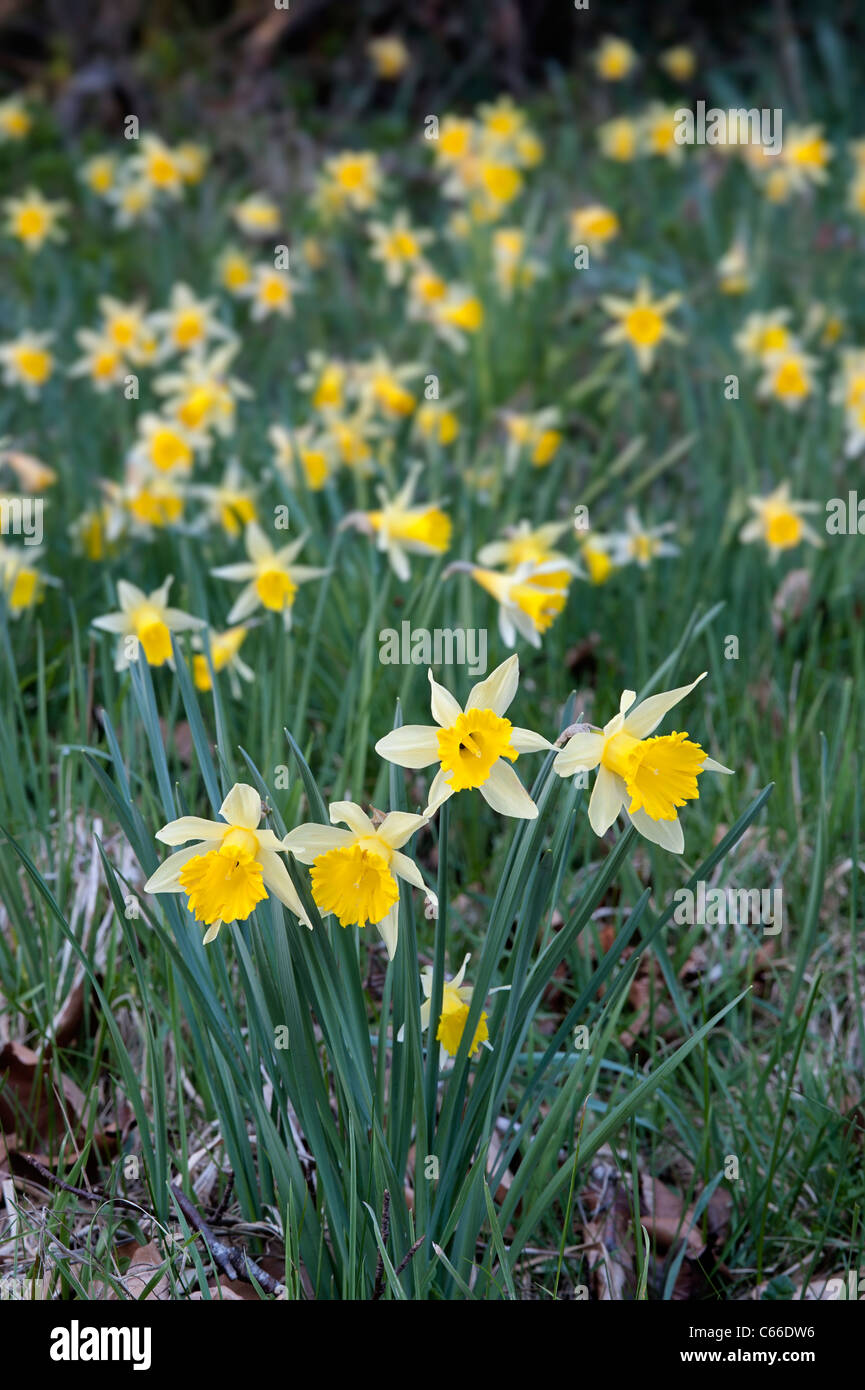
(270, 575)
(164, 444)
(231, 866)
(21, 581)
(389, 57)
(528, 544)
(33, 219)
(257, 215)
(779, 522)
(28, 362)
(270, 291)
(596, 552)
(457, 316)
(639, 544)
(192, 160)
(350, 180)
(437, 421)
(788, 377)
(648, 778)
(733, 271)
(594, 226)
(224, 656)
(15, 120)
(397, 246)
(658, 126)
(124, 325)
(615, 59)
(134, 200)
(189, 323)
(679, 62)
(383, 386)
(327, 379)
(303, 448)
(201, 393)
(145, 623)
(99, 174)
(230, 503)
(642, 323)
(354, 872)
(530, 598)
(158, 165)
(619, 139)
(403, 527)
(763, 334)
(153, 500)
(100, 359)
(806, 155)
(536, 437)
(234, 271)
(474, 747)
(456, 1002)
(32, 474)
(513, 269)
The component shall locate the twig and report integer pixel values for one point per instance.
(54, 1181)
(224, 1201)
(235, 1263)
(385, 1232)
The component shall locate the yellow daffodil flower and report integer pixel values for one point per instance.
(778, 521)
(594, 226)
(615, 59)
(474, 747)
(639, 544)
(389, 57)
(354, 872)
(33, 219)
(642, 323)
(27, 362)
(224, 655)
(145, 623)
(788, 377)
(227, 872)
(402, 528)
(257, 215)
(271, 576)
(647, 778)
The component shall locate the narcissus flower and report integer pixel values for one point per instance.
(619, 139)
(733, 271)
(227, 872)
(594, 226)
(304, 452)
(404, 528)
(257, 215)
(530, 598)
(788, 377)
(230, 502)
(642, 323)
(389, 57)
(474, 747)
(639, 544)
(15, 120)
(534, 436)
(201, 393)
(99, 174)
(163, 444)
(270, 291)
(354, 872)
(271, 575)
(21, 581)
(27, 362)
(614, 59)
(352, 180)
(397, 246)
(806, 155)
(658, 127)
(224, 655)
(234, 271)
(33, 219)
(527, 544)
(679, 62)
(764, 334)
(456, 1001)
(189, 323)
(647, 778)
(145, 622)
(100, 359)
(157, 165)
(778, 521)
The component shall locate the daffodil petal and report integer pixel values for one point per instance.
(499, 688)
(350, 814)
(606, 800)
(307, 842)
(504, 791)
(166, 879)
(710, 765)
(666, 833)
(388, 929)
(439, 792)
(276, 878)
(399, 826)
(406, 868)
(413, 745)
(445, 709)
(581, 752)
(527, 741)
(177, 832)
(649, 713)
(242, 806)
